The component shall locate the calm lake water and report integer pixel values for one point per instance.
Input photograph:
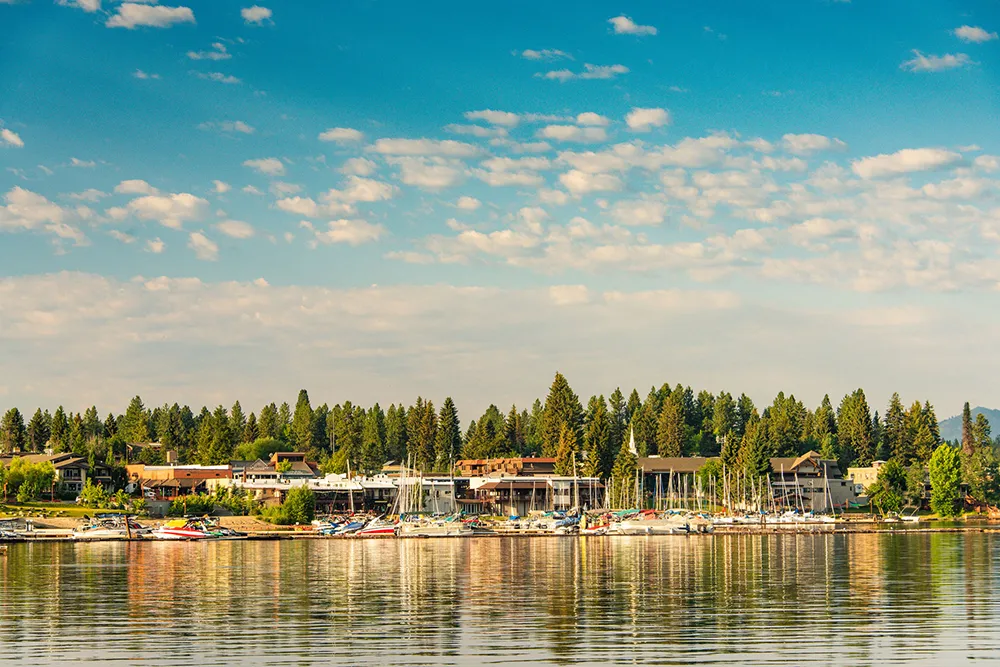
(753, 600)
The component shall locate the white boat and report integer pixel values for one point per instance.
(183, 529)
(109, 527)
(649, 527)
(377, 527)
(434, 529)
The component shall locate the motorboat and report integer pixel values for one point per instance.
(109, 527)
(670, 526)
(377, 527)
(185, 529)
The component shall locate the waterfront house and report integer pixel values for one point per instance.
(528, 466)
(521, 495)
(863, 477)
(810, 482)
(72, 472)
(169, 482)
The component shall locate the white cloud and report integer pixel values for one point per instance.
(25, 210)
(905, 161)
(230, 126)
(358, 166)
(155, 246)
(342, 135)
(255, 15)
(589, 72)
(251, 190)
(204, 248)
(236, 229)
(91, 195)
(361, 190)
(10, 138)
(131, 15)
(89, 6)
(220, 187)
(82, 164)
(975, 34)
(425, 147)
(217, 52)
(503, 118)
(545, 54)
(623, 25)
(135, 187)
(169, 210)
(555, 197)
(139, 74)
(931, 63)
(573, 133)
(300, 206)
(282, 189)
(639, 211)
(643, 120)
(352, 232)
(580, 183)
(271, 166)
(476, 130)
(804, 144)
(468, 203)
(121, 236)
(988, 163)
(591, 118)
(218, 77)
(432, 173)
(569, 295)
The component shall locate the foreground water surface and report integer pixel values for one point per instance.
(746, 599)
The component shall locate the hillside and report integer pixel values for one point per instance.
(951, 428)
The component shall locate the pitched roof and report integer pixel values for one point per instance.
(677, 464)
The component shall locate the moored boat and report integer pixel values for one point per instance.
(184, 529)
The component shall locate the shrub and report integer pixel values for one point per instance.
(193, 504)
(299, 507)
(94, 495)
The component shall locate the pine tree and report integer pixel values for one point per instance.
(945, 468)
(707, 445)
(755, 454)
(373, 441)
(487, 437)
(38, 432)
(59, 432)
(968, 444)
(671, 432)
(302, 423)
(514, 438)
(320, 435)
(854, 431)
(135, 426)
(448, 442)
(93, 428)
(237, 421)
(13, 435)
(421, 429)
(745, 411)
(645, 424)
(634, 403)
(894, 432)
(566, 451)
(562, 407)
(623, 477)
(267, 423)
(785, 420)
(597, 439)
(395, 433)
(250, 431)
(110, 425)
(285, 423)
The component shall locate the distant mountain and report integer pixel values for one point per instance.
(951, 428)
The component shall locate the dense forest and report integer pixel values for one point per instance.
(591, 439)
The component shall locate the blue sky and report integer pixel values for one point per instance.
(793, 195)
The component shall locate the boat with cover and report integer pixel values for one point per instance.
(109, 527)
(452, 526)
(649, 523)
(376, 527)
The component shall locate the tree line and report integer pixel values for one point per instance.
(591, 440)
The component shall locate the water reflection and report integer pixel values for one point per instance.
(780, 599)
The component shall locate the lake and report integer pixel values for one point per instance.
(829, 599)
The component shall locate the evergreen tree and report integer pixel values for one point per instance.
(110, 425)
(302, 423)
(487, 437)
(618, 412)
(932, 422)
(968, 445)
(894, 432)
(250, 432)
(285, 423)
(13, 435)
(785, 425)
(622, 486)
(672, 431)
(724, 423)
(882, 452)
(562, 407)
(745, 412)
(135, 426)
(448, 442)
(59, 433)
(645, 423)
(373, 441)
(267, 423)
(634, 403)
(533, 429)
(854, 431)
(320, 434)
(566, 450)
(707, 444)
(755, 454)
(38, 432)
(824, 432)
(946, 476)
(93, 428)
(514, 438)
(597, 439)
(237, 422)
(395, 433)
(421, 429)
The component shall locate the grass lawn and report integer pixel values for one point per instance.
(65, 509)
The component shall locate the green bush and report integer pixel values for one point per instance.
(94, 495)
(299, 508)
(238, 501)
(193, 504)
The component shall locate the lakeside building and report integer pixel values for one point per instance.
(72, 472)
(281, 465)
(168, 482)
(520, 495)
(863, 477)
(528, 466)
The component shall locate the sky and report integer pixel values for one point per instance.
(212, 201)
